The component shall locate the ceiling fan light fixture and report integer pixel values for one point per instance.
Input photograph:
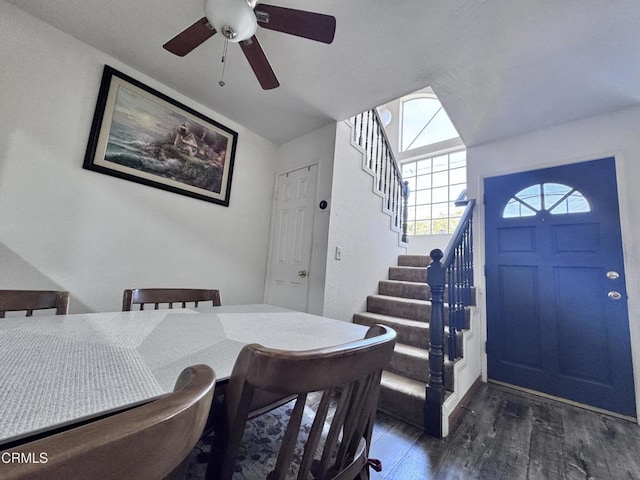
(233, 18)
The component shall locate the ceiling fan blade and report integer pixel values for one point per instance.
(314, 26)
(259, 63)
(190, 38)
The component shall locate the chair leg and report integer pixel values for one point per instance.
(214, 463)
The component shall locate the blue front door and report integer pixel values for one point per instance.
(557, 319)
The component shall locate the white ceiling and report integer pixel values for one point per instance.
(500, 67)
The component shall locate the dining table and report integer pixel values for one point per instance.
(61, 370)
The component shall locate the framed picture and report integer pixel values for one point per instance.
(142, 135)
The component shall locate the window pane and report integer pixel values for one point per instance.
(423, 227)
(531, 196)
(440, 210)
(408, 170)
(424, 167)
(440, 163)
(416, 114)
(424, 181)
(516, 209)
(440, 129)
(423, 197)
(458, 159)
(574, 203)
(552, 193)
(459, 175)
(437, 128)
(440, 225)
(440, 179)
(424, 122)
(440, 194)
(423, 212)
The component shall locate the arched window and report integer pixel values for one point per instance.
(424, 122)
(555, 198)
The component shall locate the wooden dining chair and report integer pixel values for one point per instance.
(149, 442)
(30, 300)
(168, 296)
(349, 374)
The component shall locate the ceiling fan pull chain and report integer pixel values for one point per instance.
(224, 62)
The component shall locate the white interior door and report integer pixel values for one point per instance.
(291, 239)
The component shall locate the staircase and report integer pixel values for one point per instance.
(370, 139)
(403, 303)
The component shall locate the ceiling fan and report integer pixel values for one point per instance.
(237, 20)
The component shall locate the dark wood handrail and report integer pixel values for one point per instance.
(458, 233)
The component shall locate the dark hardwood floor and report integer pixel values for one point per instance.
(506, 434)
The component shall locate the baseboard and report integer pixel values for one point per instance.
(456, 415)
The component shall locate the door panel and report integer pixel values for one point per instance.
(551, 237)
(288, 282)
(523, 331)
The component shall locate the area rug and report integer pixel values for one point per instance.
(260, 444)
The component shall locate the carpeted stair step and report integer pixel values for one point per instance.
(415, 290)
(414, 260)
(410, 332)
(411, 362)
(402, 398)
(408, 274)
(397, 288)
(409, 308)
(399, 307)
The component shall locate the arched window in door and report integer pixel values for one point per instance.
(555, 198)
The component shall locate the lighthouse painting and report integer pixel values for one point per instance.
(142, 135)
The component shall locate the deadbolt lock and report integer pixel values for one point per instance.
(613, 295)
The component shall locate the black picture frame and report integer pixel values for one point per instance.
(142, 135)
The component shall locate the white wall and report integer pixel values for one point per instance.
(360, 228)
(615, 134)
(95, 235)
(316, 147)
(423, 244)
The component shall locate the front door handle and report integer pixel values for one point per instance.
(303, 273)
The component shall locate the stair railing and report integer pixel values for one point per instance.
(370, 136)
(453, 268)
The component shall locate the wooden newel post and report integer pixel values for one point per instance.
(435, 387)
(405, 210)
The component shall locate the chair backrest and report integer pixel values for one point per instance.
(169, 296)
(30, 300)
(149, 442)
(349, 374)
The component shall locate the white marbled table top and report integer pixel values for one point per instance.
(58, 370)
